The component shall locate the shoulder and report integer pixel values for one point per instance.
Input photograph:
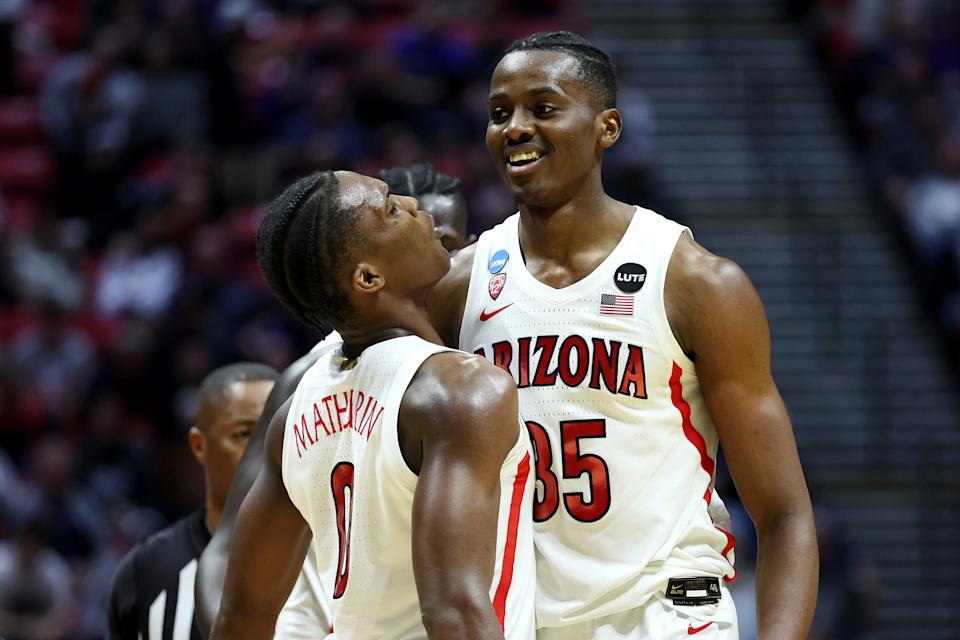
(177, 541)
(693, 266)
(705, 290)
(457, 388)
(449, 295)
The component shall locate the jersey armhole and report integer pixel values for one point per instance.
(468, 303)
(658, 312)
(398, 389)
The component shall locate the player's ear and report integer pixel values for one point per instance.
(198, 444)
(610, 125)
(367, 278)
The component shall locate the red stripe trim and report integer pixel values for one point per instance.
(676, 392)
(510, 546)
(706, 462)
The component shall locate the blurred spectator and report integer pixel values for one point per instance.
(40, 267)
(50, 365)
(34, 587)
(897, 67)
(140, 272)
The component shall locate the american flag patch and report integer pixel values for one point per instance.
(611, 305)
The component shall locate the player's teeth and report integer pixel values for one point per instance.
(520, 157)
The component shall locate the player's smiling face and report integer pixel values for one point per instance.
(543, 129)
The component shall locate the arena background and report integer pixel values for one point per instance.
(816, 143)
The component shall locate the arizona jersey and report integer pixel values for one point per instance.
(624, 447)
(344, 471)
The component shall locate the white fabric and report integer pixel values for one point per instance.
(345, 414)
(658, 619)
(618, 375)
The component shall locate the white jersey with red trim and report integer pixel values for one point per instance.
(344, 471)
(306, 615)
(624, 447)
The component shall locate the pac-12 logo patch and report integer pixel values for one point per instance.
(496, 285)
(498, 261)
(629, 277)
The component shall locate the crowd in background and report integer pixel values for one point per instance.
(139, 141)
(896, 65)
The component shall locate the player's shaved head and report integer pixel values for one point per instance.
(215, 390)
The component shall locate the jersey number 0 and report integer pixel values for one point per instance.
(341, 483)
(573, 464)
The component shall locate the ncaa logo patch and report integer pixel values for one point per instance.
(498, 261)
(630, 277)
(496, 285)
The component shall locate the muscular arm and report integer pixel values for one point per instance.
(261, 570)
(719, 320)
(465, 412)
(446, 301)
(213, 561)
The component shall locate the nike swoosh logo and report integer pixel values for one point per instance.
(692, 629)
(484, 316)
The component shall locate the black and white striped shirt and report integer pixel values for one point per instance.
(152, 597)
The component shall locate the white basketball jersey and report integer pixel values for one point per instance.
(344, 471)
(624, 447)
(306, 614)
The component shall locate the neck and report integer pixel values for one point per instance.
(393, 320)
(589, 218)
(214, 511)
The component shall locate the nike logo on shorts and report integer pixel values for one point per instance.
(692, 629)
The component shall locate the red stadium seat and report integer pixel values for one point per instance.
(26, 169)
(19, 120)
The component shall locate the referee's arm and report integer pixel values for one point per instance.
(122, 614)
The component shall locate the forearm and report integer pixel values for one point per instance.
(211, 572)
(243, 623)
(469, 619)
(787, 576)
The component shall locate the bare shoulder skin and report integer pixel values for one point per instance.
(449, 296)
(719, 321)
(457, 423)
(213, 561)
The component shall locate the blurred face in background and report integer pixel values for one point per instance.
(223, 428)
(450, 216)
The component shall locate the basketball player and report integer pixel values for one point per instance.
(152, 596)
(439, 195)
(404, 458)
(305, 614)
(636, 353)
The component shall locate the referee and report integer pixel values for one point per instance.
(152, 596)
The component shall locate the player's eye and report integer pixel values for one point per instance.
(498, 114)
(543, 109)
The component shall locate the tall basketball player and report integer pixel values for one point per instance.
(404, 459)
(637, 353)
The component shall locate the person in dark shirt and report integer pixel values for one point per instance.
(152, 596)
